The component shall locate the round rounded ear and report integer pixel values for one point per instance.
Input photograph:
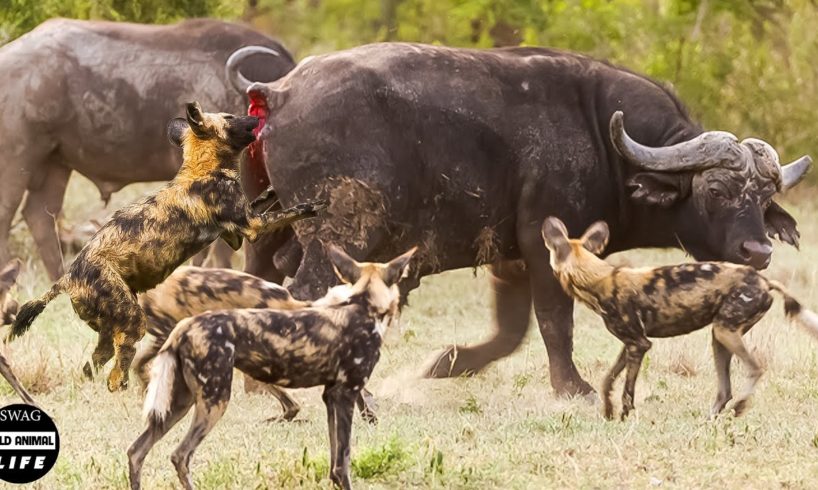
(176, 129)
(346, 268)
(195, 118)
(658, 189)
(554, 232)
(596, 237)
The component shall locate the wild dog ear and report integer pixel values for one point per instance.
(555, 236)
(779, 222)
(596, 237)
(398, 268)
(346, 268)
(195, 118)
(9, 273)
(176, 129)
(658, 188)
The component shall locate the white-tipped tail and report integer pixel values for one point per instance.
(160, 388)
(808, 320)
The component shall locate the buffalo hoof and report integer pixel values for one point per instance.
(572, 386)
(452, 363)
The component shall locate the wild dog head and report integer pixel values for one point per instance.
(567, 253)
(225, 132)
(379, 280)
(8, 277)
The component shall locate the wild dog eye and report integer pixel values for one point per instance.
(229, 116)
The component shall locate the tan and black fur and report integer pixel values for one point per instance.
(332, 346)
(637, 303)
(145, 241)
(8, 311)
(190, 291)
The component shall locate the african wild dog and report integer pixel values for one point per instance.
(637, 303)
(190, 291)
(8, 310)
(332, 346)
(144, 242)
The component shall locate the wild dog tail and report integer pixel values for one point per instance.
(165, 367)
(796, 313)
(31, 310)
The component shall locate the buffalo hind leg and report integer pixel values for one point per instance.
(512, 310)
(41, 211)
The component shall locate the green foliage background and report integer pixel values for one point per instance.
(746, 66)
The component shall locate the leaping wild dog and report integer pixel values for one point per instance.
(145, 241)
(8, 310)
(637, 303)
(190, 291)
(332, 346)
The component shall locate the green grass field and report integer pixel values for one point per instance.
(503, 428)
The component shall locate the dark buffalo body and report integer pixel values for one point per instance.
(465, 152)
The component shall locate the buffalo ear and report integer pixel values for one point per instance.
(346, 268)
(398, 268)
(596, 237)
(781, 223)
(555, 236)
(195, 118)
(658, 188)
(9, 273)
(176, 129)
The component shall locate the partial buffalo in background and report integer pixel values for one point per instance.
(92, 96)
(465, 152)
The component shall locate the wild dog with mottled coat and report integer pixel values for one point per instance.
(637, 303)
(145, 241)
(190, 291)
(8, 310)
(332, 346)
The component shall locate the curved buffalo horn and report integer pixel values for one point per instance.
(792, 173)
(231, 68)
(704, 151)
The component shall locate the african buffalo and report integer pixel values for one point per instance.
(87, 96)
(465, 152)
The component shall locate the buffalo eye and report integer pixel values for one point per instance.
(715, 193)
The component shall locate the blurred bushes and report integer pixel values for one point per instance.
(745, 66)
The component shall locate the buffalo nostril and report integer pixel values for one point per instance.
(757, 254)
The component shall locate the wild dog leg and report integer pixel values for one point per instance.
(341, 402)
(182, 401)
(262, 224)
(5, 370)
(131, 331)
(102, 353)
(204, 419)
(512, 312)
(721, 358)
(607, 383)
(634, 353)
(731, 339)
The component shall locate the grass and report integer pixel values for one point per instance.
(503, 428)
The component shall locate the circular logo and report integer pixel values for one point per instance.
(29, 443)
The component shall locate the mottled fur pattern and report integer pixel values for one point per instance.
(637, 303)
(332, 346)
(190, 291)
(8, 311)
(144, 242)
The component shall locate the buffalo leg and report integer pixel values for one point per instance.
(41, 211)
(512, 310)
(554, 311)
(12, 187)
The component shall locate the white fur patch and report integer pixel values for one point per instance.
(745, 298)
(160, 388)
(358, 360)
(808, 320)
(707, 267)
(342, 376)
